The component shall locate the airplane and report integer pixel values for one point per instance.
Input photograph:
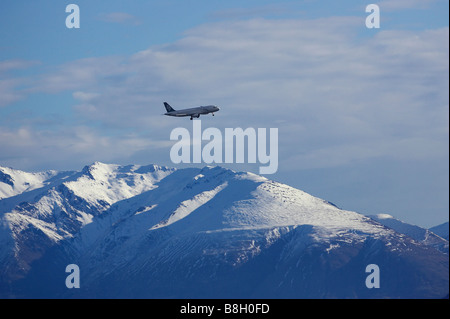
(192, 112)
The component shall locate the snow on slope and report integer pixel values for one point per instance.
(239, 201)
(188, 206)
(135, 227)
(14, 182)
(203, 231)
(109, 183)
(227, 214)
(80, 197)
(417, 233)
(275, 204)
(267, 203)
(55, 206)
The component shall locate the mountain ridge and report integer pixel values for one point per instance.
(179, 231)
(426, 236)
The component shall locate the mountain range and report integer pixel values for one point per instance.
(157, 232)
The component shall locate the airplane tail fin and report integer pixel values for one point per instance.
(168, 107)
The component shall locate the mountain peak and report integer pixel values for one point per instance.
(109, 183)
(14, 181)
(156, 231)
(99, 170)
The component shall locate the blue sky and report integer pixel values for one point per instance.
(362, 113)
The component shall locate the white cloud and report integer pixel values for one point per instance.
(259, 11)
(14, 64)
(393, 5)
(27, 147)
(10, 86)
(8, 92)
(339, 96)
(85, 96)
(120, 17)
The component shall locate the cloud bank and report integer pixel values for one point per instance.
(336, 95)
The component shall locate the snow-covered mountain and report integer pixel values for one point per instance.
(57, 205)
(426, 236)
(13, 182)
(157, 232)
